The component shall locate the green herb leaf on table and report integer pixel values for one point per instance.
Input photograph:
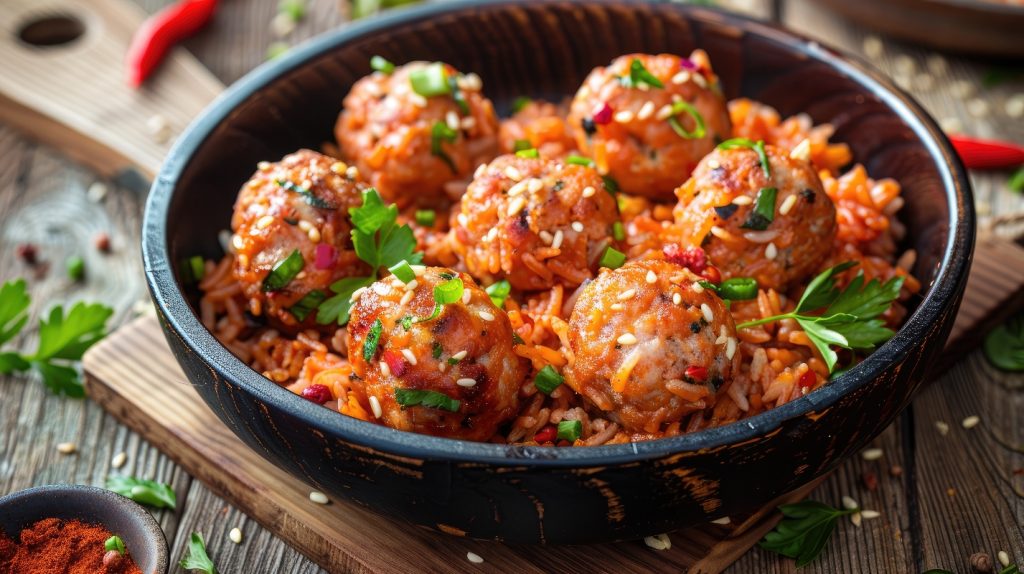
(114, 543)
(66, 339)
(1016, 181)
(1004, 345)
(196, 557)
(148, 492)
(804, 530)
(14, 302)
(295, 9)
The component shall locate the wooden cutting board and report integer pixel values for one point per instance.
(134, 376)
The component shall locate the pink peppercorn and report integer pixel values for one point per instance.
(602, 114)
(318, 394)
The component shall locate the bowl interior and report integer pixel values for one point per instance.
(544, 49)
(141, 534)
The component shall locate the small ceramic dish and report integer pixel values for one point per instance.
(140, 532)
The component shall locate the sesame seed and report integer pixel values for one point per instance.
(462, 219)
(466, 382)
(730, 348)
(419, 270)
(720, 233)
(466, 296)
(460, 355)
(802, 151)
(681, 78)
(905, 64)
(235, 535)
(468, 123)
(512, 173)
(787, 204)
(66, 447)
(709, 316)
(698, 287)
(474, 558)
(623, 116)
(534, 185)
(546, 236)
(357, 293)
(381, 288)
(577, 227)
(442, 366)
(1004, 558)
(873, 47)
(314, 234)
(479, 170)
(375, 407)
(849, 503)
(651, 277)
(856, 518)
(516, 205)
(589, 191)
(486, 316)
(318, 497)
(970, 422)
(452, 119)
(412, 285)
(491, 234)
(418, 100)
(119, 460)
(658, 542)
(409, 356)
(677, 298)
(556, 243)
(723, 521)
(869, 514)
(264, 222)
(339, 167)
(406, 298)
(385, 369)
(872, 454)
(714, 164)
(237, 242)
(771, 251)
(627, 294)
(616, 306)
(699, 80)
(305, 225)
(646, 111)
(742, 200)
(263, 165)
(664, 113)
(942, 427)
(98, 190)
(518, 188)
(627, 339)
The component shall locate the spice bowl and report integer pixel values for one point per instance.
(140, 532)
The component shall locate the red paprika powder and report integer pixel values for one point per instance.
(55, 546)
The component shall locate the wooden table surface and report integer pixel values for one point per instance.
(957, 493)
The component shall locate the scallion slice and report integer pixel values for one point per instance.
(306, 194)
(440, 133)
(382, 65)
(579, 160)
(764, 210)
(499, 292)
(547, 380)
(618, 231)
(521, 145)
(528, 153)
(458, 96)
(403, 271)
(738, 288)
(372, 339)
(612, 258)
(519, 103)
(284, 271)
(197, 267)
(448, 292)
(424, 398)
(610, 185)
(757, 146)
(307, 304)
(570, 430)
(431, 80)
(640, 75)
(426, 217)
(698, 132)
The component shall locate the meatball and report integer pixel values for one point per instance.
(409, 146)
(649, 138)
(542, 126)
(298, 205)
(650, 345)
(534, 221)
(461, 358)
(728, 208)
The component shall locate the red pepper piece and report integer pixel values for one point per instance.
(602, 114)
(395, 362)
(546, 434)
(987, 154)
(695, 373)
(161, 31)
(693, 258)
(712, 274)
(318, 394)
(807, 380)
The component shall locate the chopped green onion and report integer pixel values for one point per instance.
(458, 96)
(618, 231)
(406, 322)
(528, 153)
(757, 146)
(437, 350)
(738, 288)
(372, 339)
(547, 380)
(639, 75)
(448, 292)
(453, 361)
(764, 210)
(521, 145)
(579, 160)
(431, 80)
(306, 194)
(194, 269)
(439, 133)
(570, 430)
(698, 132)
(517, 339)
(276, 49)
(432, 399)
(307, 304)
(610, 185)
(403, 271)
(426, 217)
(114, 543)
(499, 292)
(519, 103)
(382, 65)
(76, 268)
(284, 271)
(612, 258)
(295, 9)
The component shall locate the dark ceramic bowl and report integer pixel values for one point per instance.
(532, 494)
(141, 534)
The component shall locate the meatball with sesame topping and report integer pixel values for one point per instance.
(776, 226)
(650, 345)
(647, 120)
(292, 237)
(416, 129)
(435, 355)
(536, 222)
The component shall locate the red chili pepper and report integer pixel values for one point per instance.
(712, 274)
(396, 364)
(546, 434)
(695, 373)
(693, 258)
(602, 114)
(161, 31)
(987, 154)
(807, 380)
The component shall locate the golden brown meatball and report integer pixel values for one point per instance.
(534, 221)
(650, 138)
(298, 205)
(409, 146)
(460, 360)
(650, 344)
(787, 242)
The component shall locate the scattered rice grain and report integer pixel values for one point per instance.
(872, 454)
(319, 497)
(970, 422)
(235, 535)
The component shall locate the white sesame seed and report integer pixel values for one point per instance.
(905, 64)
(518, 188)
(856, 518)
(119, 460)
(577, 227)
(512, 173)
(339, 167)
(66, 447)
(942, 427)
(589, 191)
(235, 535)
(869, 514)
(462, 219)
(452, 119)
(646, 111)
(305, 225)
(849, 503)
(556, 242)
(664, 113)
(419, 270)
(466, 382)
(442, 366)
(533, 185)
(237, 242)
(479, 170)
(623, 116)
(460, 355)
(697, 287)
(714, 164)
(314, 234)
(872, 454)
(546, 236)
(516, 205)
(709, 315)
(970, 422)
(474, 558)
(651, 277)
(418, 100)
(720, 233)
(626, 339)
(658, 542)
(730, 348)
(96, 192)
(616, 306)
(357, 293)
(627, 294)
(318, 497)
(787, 204)
(409, 356)
(375, 407)
(699, 80)
(468, 122)
(1004, 558)
(723, 520)
(491, 234)
(159, 128)
(466, 295)
(1015, 106)
(385, 369)
(681, 78)
(381, 288)
(470, 82)
(802, 151)
(742, 200)
(486, 316)
(412, 285)
(263, 165)
(406, 298)
(677, 298)
(770, 251)
(264, 222)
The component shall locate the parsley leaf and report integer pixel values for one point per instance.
(196, 558)
(804, 530)
(149, 492)
(377, 239)
(1004, 345)
(431, 399)
(14, 302)
(850, 319)
(336, 308)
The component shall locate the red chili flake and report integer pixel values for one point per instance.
(807, 380)
(28, 253)
(602, 114)
(693, 258)
(318, 394)
(870, 480)
(103, 242)
(546, 434)
(712, 274)
(323, 258)
(161, 31)
(395, 362)
(699, 374)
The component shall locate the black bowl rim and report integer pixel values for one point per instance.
(181, 317)
(154, 535)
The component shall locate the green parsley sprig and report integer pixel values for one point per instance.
(148, 492)
(196, 557)
(804, 530)
(1004, 345)
(63, 339)
(850, 317)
